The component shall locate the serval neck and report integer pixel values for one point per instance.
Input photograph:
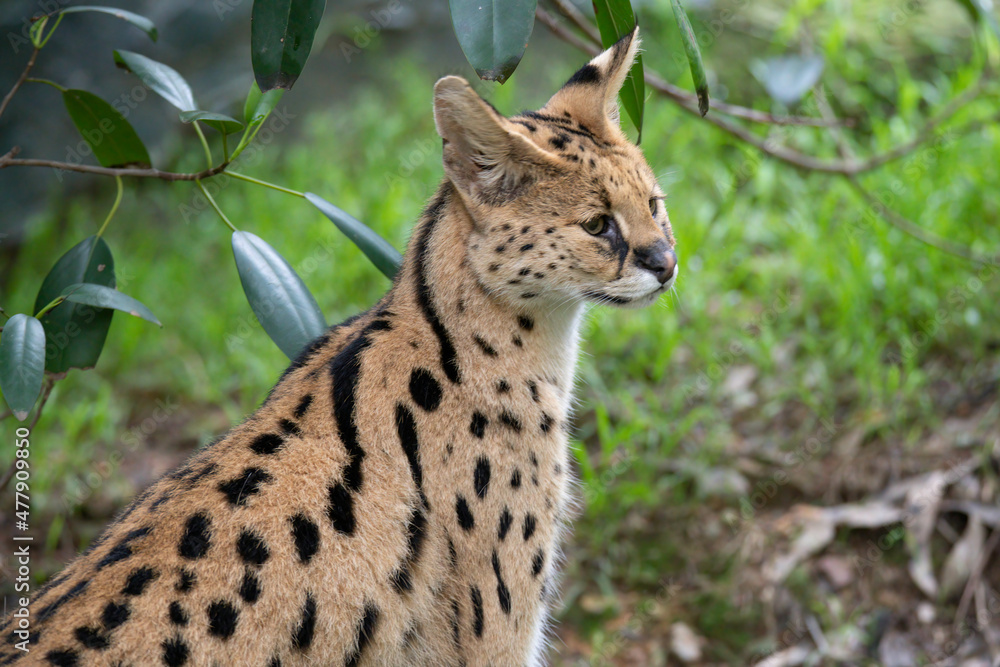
(467, 319)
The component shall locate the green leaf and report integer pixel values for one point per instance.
(693, 56)
(140, 22)
(108, 297)
(982, 11)
(22, 363)
(75, 333)
(165, 81)
(281, 36)
(109, 135)
(259, 105)
(493, 34)
(788, 78)
(218, 121)
(615, 19)
(381, 253)
(284, 306)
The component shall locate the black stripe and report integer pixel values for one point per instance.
(503, 593)
(307, 626)
(406, 427)
(365, 632)
(449, 357)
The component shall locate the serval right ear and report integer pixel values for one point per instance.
(591, 95)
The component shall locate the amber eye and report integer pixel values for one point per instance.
(597, 225)
(654, 204)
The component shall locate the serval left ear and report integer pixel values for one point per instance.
(591, 95)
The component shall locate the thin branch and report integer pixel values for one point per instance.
(8, 160)
(793, 157)
(20, 80)
(668, 89)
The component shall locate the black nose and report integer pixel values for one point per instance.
(659, 259)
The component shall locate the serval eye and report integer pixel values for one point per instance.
(654, 204)
(597, 225)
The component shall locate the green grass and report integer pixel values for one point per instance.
(781, 275)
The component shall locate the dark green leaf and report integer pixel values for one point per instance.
(614, 20)
(22, 363)
(281, 35)
(108, 297)
(787, 79)
(75, 332)
(493, 34)
(165, 81)
(218, 121)
(284, 306)
(258, 105)
(381, 253)
(140, 22)
(693, 56)
(114, 142)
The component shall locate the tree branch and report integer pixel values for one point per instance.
(9, 160)
(20, 80)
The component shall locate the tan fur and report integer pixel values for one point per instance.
(471, 353)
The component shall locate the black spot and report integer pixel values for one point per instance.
(68, 596)
(479, 424)
(406, 428)
(529, 526)
(239, 489)
(487, 349)
(528, 295)
(303, 636)
(550, 230)
(465, 518)
(303, 406)
(482, 476)
(250, 587)
(275, 662)
(547, 422)
(533, 459)
(177, 614)
(494, 267)
(267, 443)
(197, 537)
(524, 272)
(515, 479)
(533, 388)
(365, 632)
(380, 325)
(449, 357)
(305, 533)
(477, 610)
(424, 389)
(222, 619)
(138, 580)
(416, 533)
(526, 247)
(186, 581)
(537, 562)
(341, 509)
(517, 341)
(175, 652)
(503, 593)
(252, 548)
(510, 421)
(501, 248)
(66, 658)
(288, 427)
(92, 638)
(503, 387)
(525, 322)
(114, 615)
(123, 549)
(505, 520)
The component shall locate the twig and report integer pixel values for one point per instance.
(20, 80)
(668, 89)
(8, 160)
(975, 577)
(793, 157)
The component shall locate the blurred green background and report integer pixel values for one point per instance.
(796, 307)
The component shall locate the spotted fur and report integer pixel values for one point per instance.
(398, 499)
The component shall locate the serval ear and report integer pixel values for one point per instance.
(591, 95)
(484, 156)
